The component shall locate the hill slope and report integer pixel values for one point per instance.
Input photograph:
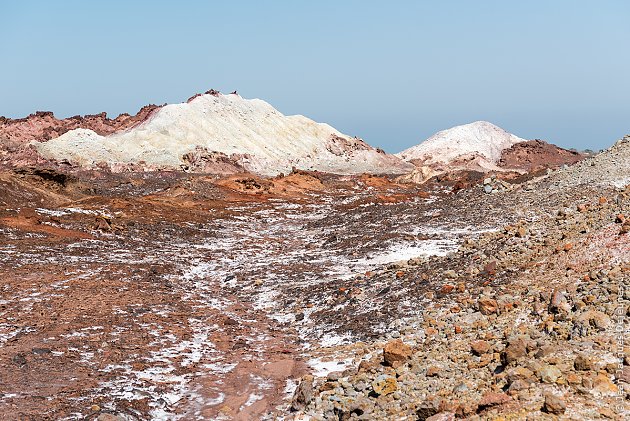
(250, 133)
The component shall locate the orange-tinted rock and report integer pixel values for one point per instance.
(396, 352)
(487, 306)
(480, 347)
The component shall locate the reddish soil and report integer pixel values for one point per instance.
(87, 328)
(168, 295)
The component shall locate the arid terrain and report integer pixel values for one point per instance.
(136, 292)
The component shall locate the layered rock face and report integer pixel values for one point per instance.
(249, 133)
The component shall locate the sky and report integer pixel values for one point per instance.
(392, 73)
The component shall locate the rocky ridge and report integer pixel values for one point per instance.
(43, 125)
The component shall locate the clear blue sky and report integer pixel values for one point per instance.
(390, 72)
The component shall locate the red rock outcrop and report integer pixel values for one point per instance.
(43, 125)
(535, 155)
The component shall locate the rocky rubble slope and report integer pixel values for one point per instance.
(610, 167)
(247, 133)
(527, 322)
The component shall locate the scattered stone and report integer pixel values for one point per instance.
(554, 404)
(480, 347)
(487, 306)
(594, 318)
(493, 399)
(396, 352)
(303, 394)
(583, 363)
(603, 384)
(516, 348)
(442, 416)
(433, 371)
(548, 373)
(384, 385)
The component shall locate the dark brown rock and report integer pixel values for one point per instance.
(583, 363)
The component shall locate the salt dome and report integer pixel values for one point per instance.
(481, 139)
(249, 131)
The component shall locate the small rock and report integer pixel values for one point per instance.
(594, 318)
(303, 394)
(396, 353)
(548, 373)
(516, 349)
(603, 384)
(583, 363)
(479, 347)
(460, 388)
(384, 385)
(521, 373)
(554, 404)
(333, 376)
(442, 416)
(623, 374)
(557, 300)
(19, 359)
(493, 399)
(487, 306)
(432, 371)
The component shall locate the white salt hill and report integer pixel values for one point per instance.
(249, 132)
(474, 145)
